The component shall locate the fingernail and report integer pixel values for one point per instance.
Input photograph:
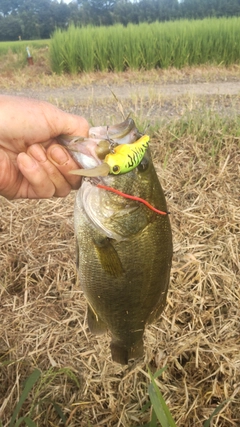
(59, 155)
(27, 161)
(38, 152)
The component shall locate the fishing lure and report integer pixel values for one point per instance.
(126, 157)
(122, 159)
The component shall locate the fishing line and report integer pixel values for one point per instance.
(128, 196)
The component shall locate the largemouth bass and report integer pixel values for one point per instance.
(124, 247)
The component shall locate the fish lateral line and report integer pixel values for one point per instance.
(129, 196)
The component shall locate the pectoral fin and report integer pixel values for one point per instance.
(96, 325)
(109, 258)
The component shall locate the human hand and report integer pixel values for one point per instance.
(32, 165)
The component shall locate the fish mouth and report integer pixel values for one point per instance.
(90, 152)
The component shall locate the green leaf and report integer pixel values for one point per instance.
(59, 412)
(159, 372)
(153, 422)
(215, 412)
(19, 422)
(159, 405)
(29, 422)
(161, 416)
(146, 406)
(31, 380)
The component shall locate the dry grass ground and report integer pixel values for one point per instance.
(43, 311)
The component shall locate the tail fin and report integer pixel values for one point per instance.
(122, 354)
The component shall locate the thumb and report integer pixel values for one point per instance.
(72, 124)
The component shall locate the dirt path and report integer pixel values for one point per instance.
(145, 100)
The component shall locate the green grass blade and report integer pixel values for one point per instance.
(31, 380)
(29, 422)
(153, 422)
(146, 406)
(19, 422)
(159, 405)
(60, 413)
(159, 372)
(207, 423)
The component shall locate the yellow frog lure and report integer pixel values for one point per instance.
(122, 159)
(127, 157)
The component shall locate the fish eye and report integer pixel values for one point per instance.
(143, 165)
(116, 169)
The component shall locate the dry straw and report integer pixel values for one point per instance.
(43, 311)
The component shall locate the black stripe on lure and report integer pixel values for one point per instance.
(123, 159)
